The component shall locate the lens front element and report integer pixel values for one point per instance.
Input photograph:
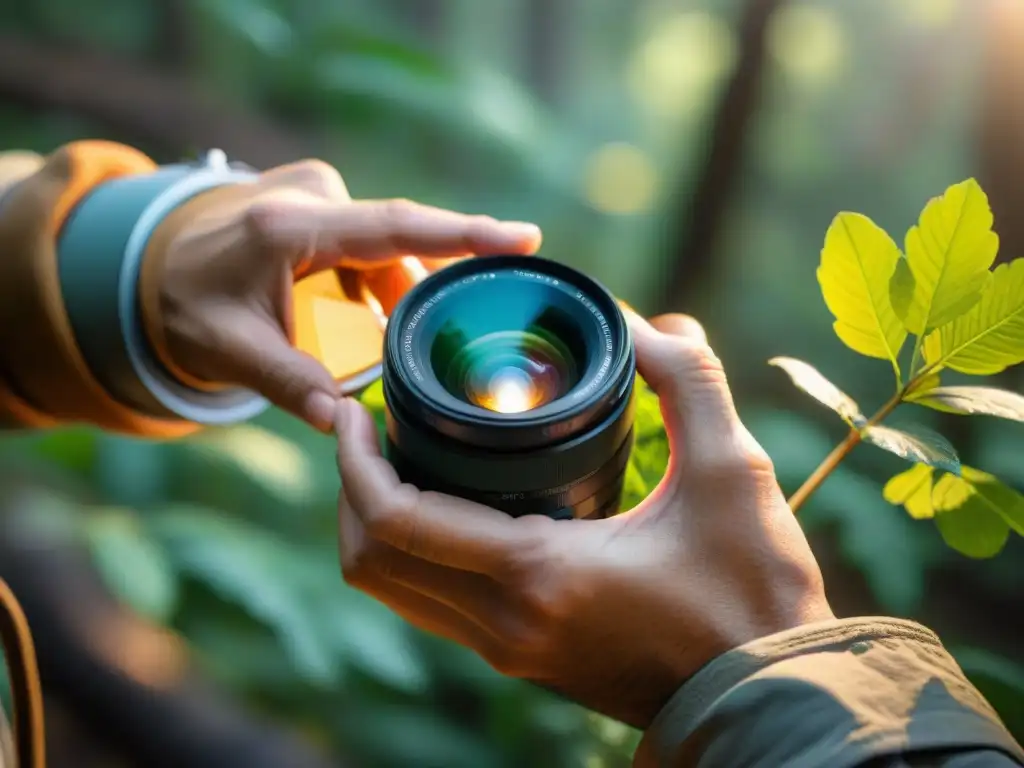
(505, 371)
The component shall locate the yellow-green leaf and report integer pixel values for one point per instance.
(966, 520)
(811, 381)
(857, 263)
(1002, 499)
(989, 338)
(972, 401)
(949, 253)
(913, 490)
(915, 444)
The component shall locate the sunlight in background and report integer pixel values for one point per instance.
(620, 178)
(277, 461)
(807, 43)
(930, 14)
(675, 71)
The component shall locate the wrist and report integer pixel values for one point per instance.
(102, 249)
(164, 312)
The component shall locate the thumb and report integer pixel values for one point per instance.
(674, 358)
(264, 361)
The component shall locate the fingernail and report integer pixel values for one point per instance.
(681, 325)
(522, 230)
(320, 408)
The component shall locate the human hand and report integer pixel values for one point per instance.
(615, 614)
(234, 254)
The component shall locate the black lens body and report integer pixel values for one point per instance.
(534, 338)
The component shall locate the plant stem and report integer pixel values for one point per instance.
(841, 451)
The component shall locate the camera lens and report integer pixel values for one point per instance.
(508, 380)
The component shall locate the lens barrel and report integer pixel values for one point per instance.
(508, 380)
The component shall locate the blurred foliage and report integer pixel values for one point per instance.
(229, 537)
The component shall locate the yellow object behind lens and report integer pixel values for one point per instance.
(340, 315)
(345, 333)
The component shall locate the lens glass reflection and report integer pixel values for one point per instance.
(510, 357)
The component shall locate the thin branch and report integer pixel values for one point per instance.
(840, 452)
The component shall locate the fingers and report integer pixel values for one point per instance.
(389, 284)
(442, 529)
(381, 231)
(368, 567)
(674, 358)
(261, 359)
(367, 564)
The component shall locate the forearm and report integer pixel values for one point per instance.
(76, 230)
(858, 692)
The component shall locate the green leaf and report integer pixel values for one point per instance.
(857, 263)
(949, 253)
(972, 401)
(376, 640)
(251, 568)
(373, 397)
(989, 338)
(885, 547)
(966, 520)
(1002, 499)
(274, 463)
(913, 490)
(131, 564)
(811, 381)
(649, 458)
(915, 444)
(438, 741)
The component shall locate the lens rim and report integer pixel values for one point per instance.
(476, 426)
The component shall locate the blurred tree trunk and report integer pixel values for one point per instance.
(176, 44)
(698, 215)
(548, 25)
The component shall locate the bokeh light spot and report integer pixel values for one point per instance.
(676, 69)
(929, 14)
(620, 178)
(808, 43)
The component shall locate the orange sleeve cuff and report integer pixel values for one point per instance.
(38, 352)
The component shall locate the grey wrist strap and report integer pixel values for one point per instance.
(99, 254)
